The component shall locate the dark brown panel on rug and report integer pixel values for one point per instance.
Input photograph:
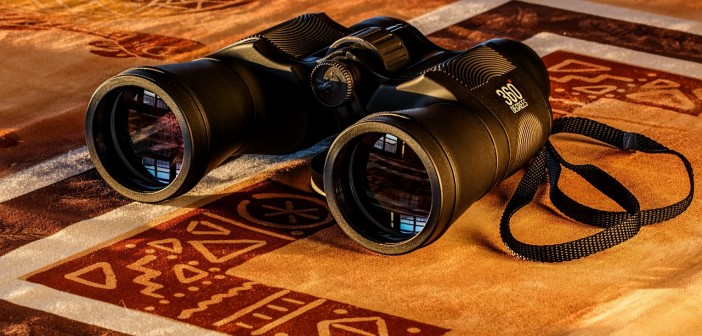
(578, 80)
(19, 320)
(45, 211)
(183, 269)
(519, 20)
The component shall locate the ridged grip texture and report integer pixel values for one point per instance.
(303, 35)
(475, 67)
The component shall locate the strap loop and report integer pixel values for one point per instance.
(617, 226)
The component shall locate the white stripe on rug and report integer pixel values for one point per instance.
(624, 14)
(546, 43)
(452, 13)
(46, 173)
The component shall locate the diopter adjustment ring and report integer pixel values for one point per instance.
(332, 82)
(386, 46)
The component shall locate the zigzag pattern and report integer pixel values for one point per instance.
(597, 79)
(145, 279)
(215, 299)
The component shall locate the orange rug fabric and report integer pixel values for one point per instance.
(254, 251)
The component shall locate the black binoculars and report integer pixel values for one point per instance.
(423, 132)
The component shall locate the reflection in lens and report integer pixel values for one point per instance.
(155, 138)
(395, 184)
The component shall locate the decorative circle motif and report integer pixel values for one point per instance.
(285, 211)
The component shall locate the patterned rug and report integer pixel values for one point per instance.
(253, 251)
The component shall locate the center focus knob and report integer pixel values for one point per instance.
(332, 83)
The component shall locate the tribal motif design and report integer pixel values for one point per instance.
(110, 44)
(110, 9)
(184, 269)
(578, 80)
(192, 5)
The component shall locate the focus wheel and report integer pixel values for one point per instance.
(387, 46)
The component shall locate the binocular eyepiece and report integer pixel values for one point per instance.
(423, 132)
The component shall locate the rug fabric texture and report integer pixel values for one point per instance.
(253, 250)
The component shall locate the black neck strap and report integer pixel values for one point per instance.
(617, 226)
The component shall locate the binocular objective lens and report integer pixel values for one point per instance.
(149, 137)
(392, 187)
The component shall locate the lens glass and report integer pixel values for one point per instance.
(151, 139)
(392, 185)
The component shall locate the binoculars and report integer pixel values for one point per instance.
(423, 132)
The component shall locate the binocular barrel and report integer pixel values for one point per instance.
(424, 132)
(396, 180)
(154, 132)
(148, 132)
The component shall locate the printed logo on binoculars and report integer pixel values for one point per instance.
(513, 98)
